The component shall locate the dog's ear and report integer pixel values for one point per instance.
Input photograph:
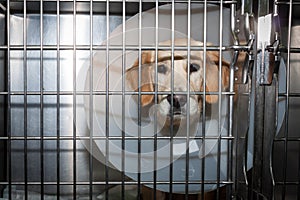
(146, 85)
(212, 75)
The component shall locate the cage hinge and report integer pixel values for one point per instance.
(268, 56)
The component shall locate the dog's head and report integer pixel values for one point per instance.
(172, 84)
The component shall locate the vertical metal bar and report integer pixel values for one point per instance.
(246, 6)
(244, 163)
(58, 100)
(172, 99)
(123, 95)
(258, 132)
(286, 132)
(204, 96)
(74, 102)
(275, 9)
(41, 100)
(139, 98)
(187, 157)
(9, 153)
(298, 187)
(3, 108)
(107, 102)
(25, 96)
(155, 99)
(231, 100)
(91, 105)
(220, 99)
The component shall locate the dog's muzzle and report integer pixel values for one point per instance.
(179, 101)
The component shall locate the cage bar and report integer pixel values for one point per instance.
(91, 89)
(58, 98)
(286, 134)
(41, 99)
(204, 96)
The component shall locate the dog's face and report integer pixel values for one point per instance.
(172, 83)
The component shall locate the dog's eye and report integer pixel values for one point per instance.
(162, 69)
(194, 67)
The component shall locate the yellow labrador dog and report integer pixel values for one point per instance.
(179, 76)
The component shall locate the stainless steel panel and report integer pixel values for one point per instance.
(2, 103)
(293, 148)
(49, 104)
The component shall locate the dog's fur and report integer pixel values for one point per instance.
(164, 79)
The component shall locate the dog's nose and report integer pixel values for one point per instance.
(178, 100)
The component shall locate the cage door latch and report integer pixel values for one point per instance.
(249, 58)
(267, 50)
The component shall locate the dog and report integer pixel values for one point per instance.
(172, 109)
(176, 109)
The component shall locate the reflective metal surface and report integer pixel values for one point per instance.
(2, 104)
(50, 111)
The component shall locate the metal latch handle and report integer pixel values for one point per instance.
(268, 50)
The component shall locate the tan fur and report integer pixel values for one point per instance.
(146, 83)
(212, 71)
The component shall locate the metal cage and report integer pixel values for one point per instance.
(49, 148)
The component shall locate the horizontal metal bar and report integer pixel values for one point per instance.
(136, 1)
(243, 93)
(120, 48)
(278, 183)
(114, 182)
(292, 49)
(30, 93)
(289, 95)
(289, 139)
(287, 183)
(113, 138)
(286, 3)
